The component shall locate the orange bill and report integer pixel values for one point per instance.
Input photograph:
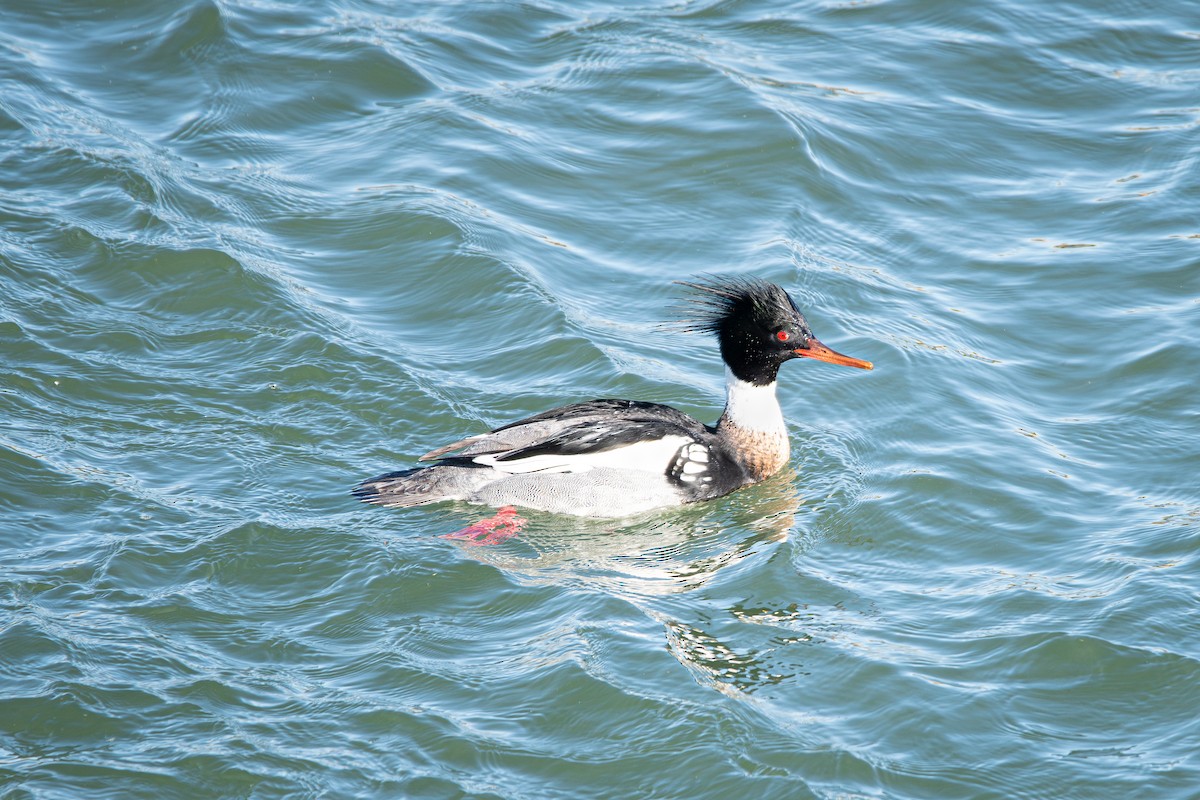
(822, 353)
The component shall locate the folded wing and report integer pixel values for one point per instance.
(619, 434)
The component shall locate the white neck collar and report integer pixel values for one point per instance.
(751, 407)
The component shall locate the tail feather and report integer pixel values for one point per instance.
(417, 487)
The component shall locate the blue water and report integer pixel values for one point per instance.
(254, 252)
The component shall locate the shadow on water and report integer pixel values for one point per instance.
(682, 568)
(650, 555)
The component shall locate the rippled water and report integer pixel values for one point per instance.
(253, 252)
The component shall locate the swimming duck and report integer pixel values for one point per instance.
(614, 458)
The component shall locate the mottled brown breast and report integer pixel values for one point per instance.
(763, 452)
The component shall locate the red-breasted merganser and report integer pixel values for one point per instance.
(614, 458)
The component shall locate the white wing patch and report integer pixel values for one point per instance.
(691, 465)
(652, 456)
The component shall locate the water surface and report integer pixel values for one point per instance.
(253, 252)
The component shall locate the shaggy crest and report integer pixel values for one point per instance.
(715, 297)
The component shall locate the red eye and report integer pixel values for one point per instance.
(782, 336)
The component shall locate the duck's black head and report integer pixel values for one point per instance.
(758, 327)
